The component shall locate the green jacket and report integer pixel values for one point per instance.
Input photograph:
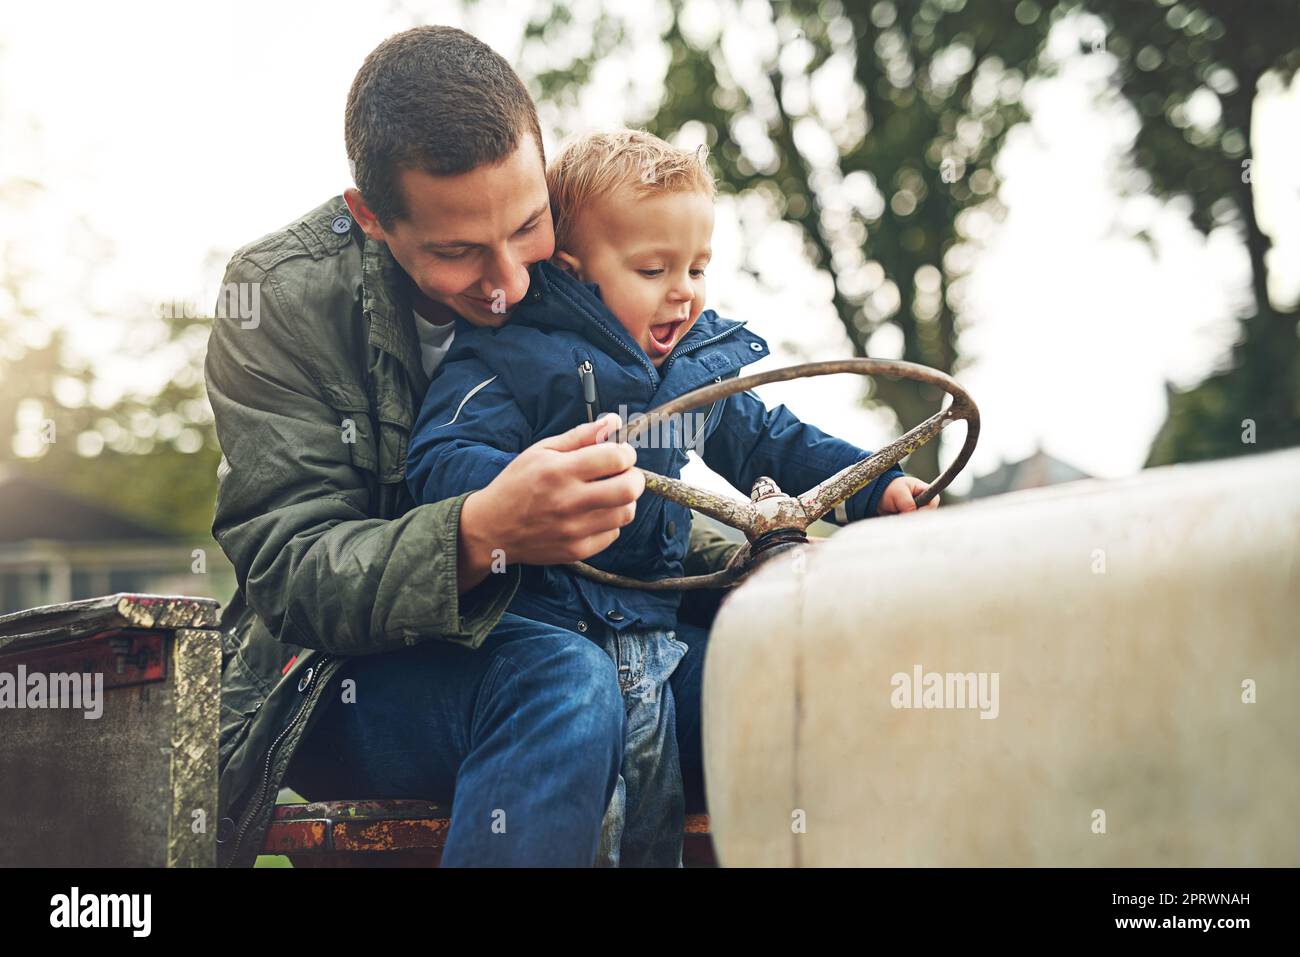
(314, 375)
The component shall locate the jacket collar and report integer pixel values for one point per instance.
(386, 302)
(558, 300)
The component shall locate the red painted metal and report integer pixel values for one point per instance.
(124, 656)
(397, 833)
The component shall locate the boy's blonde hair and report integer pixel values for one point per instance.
(597, 164)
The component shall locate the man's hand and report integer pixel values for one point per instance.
(900, 496)
(562, 499)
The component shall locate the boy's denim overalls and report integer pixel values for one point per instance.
(643, 826)
(564, 359)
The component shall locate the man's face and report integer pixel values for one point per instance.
(468, 240)
(647, 254)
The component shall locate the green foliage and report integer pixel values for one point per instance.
(1212, 57)
(150, 452)
(153, 455)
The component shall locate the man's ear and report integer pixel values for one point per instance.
(362, 213)
(568, 262)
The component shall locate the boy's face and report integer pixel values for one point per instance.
(468, 240)
(647, 254)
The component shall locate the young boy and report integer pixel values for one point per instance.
(617, 322)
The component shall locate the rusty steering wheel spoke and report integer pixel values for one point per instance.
(846, 483)
(729, 511)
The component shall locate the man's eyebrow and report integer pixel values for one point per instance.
(463, 244)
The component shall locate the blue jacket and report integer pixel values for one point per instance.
(500, 390)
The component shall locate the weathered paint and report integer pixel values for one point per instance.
(136, 786)
(81, 619)
(196, 659)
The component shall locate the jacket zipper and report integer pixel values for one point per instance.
(700, 345)
(645, 363)
(588, 379)
(317, 668)
(654, 374)
(685, 352)
(708, 418)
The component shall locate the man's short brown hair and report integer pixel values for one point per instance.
(433, 99)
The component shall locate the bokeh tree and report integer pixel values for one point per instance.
(152, 453)
(1193, 70)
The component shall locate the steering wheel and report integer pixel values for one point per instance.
(773, 521)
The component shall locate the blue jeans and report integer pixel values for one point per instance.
(644, 821)
(522, 736)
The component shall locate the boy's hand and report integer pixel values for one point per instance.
(900, 496)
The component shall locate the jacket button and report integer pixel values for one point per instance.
(614, 615)
(582, 625)
(225, 829)
(672, 529)
(341, 224)
(305, 680)
(756, 346)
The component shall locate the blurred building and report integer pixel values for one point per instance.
(56, 547)
(1038, 470)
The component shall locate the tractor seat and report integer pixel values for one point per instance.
(399, 833)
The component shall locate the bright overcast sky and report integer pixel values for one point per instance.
(179, 131)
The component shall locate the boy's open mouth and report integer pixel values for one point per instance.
(663, 335)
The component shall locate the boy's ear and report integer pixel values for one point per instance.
(568, 262)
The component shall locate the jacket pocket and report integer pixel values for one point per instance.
(241, 697)
(378, 449)
(674, 533)
(356, 426)
(356, 431)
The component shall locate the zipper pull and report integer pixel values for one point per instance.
(587, 377)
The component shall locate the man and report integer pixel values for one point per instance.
(354, 655)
